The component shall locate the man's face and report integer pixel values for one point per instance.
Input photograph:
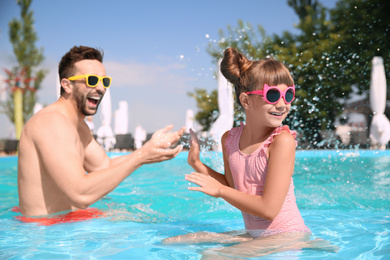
(87, 98)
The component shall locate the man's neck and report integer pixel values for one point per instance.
(71, 110)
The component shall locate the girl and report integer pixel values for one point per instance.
(259, 163)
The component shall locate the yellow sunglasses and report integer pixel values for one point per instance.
(93, 80)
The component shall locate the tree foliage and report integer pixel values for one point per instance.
(208, 107)
(23, 38)
(363, 30)
(331, 53)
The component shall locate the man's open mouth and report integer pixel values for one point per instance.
(94, 100)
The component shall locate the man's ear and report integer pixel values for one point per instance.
(244, 100)
(66, 84)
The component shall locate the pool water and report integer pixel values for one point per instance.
(343, 196)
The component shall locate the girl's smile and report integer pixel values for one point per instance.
(277, 114)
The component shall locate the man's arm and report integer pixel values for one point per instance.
(62, 157)
(154, 149)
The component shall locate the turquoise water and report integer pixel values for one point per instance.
(344, 197)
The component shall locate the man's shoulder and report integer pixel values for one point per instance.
(47, 117)
(46, 120)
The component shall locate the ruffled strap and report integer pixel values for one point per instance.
(277, 132)
(230, 141)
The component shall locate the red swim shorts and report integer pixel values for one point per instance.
(73, 216)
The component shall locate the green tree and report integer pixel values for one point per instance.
(23, 38)
(252, 43)
(310, 58)
(208, 106)
(363, 27)
(330, 54)
(307, 56)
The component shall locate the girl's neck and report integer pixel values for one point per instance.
(253, 136)
(257, 132)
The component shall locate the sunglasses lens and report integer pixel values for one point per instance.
(289, 96)
(273, 95)
(93, 81)
(106, 82)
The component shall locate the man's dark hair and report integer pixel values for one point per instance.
(77, 53)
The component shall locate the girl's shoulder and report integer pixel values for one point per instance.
(235, 131)
(232, 136)
(284, 129)
(283, 134)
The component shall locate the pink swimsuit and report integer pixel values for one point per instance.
(249, 173)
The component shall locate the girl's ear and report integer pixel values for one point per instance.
(65, 83)
(244, 100)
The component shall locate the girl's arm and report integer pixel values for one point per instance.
(195, 162)
(280, 169)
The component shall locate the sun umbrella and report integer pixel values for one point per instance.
(121, 118)
(225, 119)
(139, 136)
(105, 136)
(190, 120)
(380, 125)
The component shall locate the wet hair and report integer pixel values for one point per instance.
(75, 54)
(247, 75)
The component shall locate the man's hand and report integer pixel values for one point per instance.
(158, 149)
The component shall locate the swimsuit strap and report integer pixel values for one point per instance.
(277, 132)
(231, 142)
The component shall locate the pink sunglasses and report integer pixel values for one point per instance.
(272, 94)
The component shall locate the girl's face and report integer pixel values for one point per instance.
(271, 115)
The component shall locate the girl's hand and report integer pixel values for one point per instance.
(208, 184)
(194, 152)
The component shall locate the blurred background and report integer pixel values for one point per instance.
(163, 58)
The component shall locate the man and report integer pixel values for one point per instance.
(61, 167)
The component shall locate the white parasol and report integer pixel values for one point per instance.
(139, 136)
(225, 119)
(105, 136)
(121, 118)
(380, 125)
(58, 88)
(190, 120)
(37, 107)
